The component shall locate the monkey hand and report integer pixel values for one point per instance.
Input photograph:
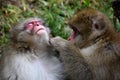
(59, 42)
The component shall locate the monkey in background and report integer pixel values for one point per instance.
(29, 55)
(98, 44)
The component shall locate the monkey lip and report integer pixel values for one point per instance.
(39, 30)
(74, 34)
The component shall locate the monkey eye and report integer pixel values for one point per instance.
(29, 26)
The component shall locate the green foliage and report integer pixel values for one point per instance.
(56, 13)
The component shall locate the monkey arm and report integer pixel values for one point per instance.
(66, 48)
(63, 45)
(74, 63)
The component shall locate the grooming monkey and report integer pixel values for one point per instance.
(98, 43)
(29, 55)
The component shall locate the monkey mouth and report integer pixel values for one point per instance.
(74, 34)
(39, 30)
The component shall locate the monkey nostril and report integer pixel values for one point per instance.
(37, 24)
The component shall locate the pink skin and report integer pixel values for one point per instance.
(74, 34)
(36, 26)
(71, 38)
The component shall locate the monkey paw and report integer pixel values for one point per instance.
(59, 42)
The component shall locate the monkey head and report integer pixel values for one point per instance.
(31, 30)
(88, 25)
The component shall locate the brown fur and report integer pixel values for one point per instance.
(96, 30)
(96, 53)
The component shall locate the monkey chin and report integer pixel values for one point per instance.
(43, 37)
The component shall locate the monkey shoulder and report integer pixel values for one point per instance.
(4, 49)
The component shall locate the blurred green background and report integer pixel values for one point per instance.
(56, 13)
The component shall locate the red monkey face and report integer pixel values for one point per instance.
(36, 27)
(30, 30)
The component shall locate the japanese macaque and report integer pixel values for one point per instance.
(98, 43)
(29, 55)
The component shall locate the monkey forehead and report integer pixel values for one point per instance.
(21, 24)
(84, 15)
(33, 20)
(89, 11)
(88, 15)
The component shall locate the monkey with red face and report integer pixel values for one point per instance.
(29, 55)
